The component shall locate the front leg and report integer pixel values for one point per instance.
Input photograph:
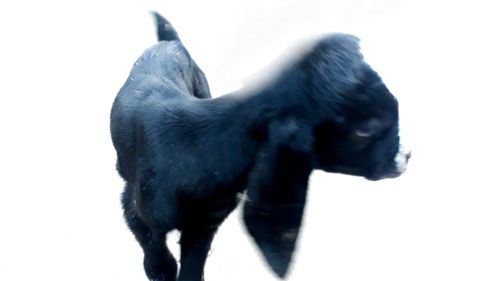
(195, 244)
(200, 223)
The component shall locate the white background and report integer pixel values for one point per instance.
(62, 62)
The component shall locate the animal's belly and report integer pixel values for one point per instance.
(206, 212)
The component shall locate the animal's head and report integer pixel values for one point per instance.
(358, 130)
(348, 124)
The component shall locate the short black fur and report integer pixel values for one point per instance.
(185, 157)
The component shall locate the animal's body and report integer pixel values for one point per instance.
(185, 157)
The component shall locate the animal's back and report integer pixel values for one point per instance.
(164, 75)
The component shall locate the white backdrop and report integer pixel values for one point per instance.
(62, 62)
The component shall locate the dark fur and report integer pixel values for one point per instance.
(185, 157)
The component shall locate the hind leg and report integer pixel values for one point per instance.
(159, 263)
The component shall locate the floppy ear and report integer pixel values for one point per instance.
(276, 194)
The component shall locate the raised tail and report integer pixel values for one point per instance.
(164, 30)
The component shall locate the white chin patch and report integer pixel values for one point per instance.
(401, 159)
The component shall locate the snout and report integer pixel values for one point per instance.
(401, 160)
(400, 164)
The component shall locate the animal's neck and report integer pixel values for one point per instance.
(286, 95)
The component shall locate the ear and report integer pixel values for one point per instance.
(276, 194)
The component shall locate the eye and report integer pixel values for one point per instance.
(366, 130)
(361, 136)
(364, 133)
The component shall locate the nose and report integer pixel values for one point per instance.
(408, 155)
(401, 159)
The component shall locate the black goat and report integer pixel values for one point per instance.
(185, 157)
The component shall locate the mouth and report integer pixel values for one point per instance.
(391, 175)
(400, 164)
(342, 170)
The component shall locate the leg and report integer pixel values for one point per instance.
(198, 227)
(195, 244)
(159, 263)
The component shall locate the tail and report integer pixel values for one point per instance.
(164, 30)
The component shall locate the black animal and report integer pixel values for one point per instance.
(186, 157)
